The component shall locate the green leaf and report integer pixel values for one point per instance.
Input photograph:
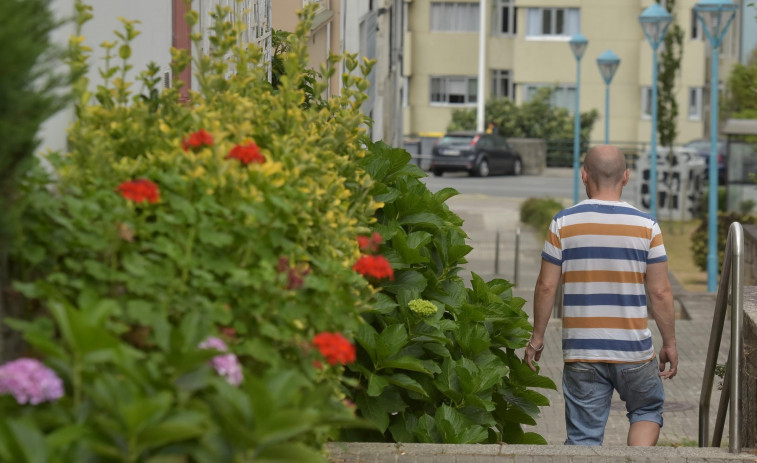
(366, 336)
(376, 384)
(405, 363)
(391, 341)
(425, 219)
(373, 410)
(408, 383)
(180, 426)
(444, 194)
(522, 375)
(384, 304)
(407, 280)
(30, 443)
(447, 381)
(141, 412)
(532, 438)
(455, 428)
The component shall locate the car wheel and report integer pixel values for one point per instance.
(482, 170)
(437, 172)
(517, 167)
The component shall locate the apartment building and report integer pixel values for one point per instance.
(369, 28)
(527, 47)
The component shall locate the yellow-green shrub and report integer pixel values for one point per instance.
(134, 287)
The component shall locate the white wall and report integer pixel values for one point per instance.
(153, 44)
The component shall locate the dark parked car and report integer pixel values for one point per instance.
(703, 146)
(479, 154)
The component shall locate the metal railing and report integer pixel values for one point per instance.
(732, 274)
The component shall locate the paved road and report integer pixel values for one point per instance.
(555, 182)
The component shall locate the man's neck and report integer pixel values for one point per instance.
(606, 196)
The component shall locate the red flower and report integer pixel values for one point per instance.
(197, 140)
(374, 266)
(369, 244)
(139, 190)
(246, 153)
(335, 348)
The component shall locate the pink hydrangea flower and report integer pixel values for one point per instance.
(226, 365)
(30, 381)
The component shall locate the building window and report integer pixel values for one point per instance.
(502, 84)
(563, 96)
(695, 103)
(696, 27)
(646, 102)
(454, 17)
(505, 18)
(553, 22)
(454, 90)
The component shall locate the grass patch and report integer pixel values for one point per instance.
(677, 237)
(684, 442)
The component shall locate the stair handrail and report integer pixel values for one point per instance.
(732, 273)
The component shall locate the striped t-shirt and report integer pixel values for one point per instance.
(603, 248)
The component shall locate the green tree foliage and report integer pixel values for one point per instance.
(29, 94)
(669, 66)
(536, 118)
(742, 90)
(449, 375)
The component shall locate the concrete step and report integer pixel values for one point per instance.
(493, 453)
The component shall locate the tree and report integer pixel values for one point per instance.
(29, 94)
(670, 64)
(742, 90)
(536, 118)
(667, 104)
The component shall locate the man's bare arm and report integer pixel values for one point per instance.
(661, 306)
(544, 300)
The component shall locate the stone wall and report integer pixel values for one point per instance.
(749, 370)
(533, 153)
(750, 255)
(749, 357)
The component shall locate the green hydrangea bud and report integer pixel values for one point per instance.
(422, 307)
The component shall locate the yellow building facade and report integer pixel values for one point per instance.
(527, 47)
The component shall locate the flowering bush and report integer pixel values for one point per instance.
(170, 227)
(436, 361)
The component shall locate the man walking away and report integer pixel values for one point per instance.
(610, 256)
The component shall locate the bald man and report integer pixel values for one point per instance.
(609, 256)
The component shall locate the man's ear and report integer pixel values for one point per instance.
(626, 175)
(584, 175)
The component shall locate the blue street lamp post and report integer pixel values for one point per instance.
(654, 22)
(578, 44)
(715, 16)
(608, 63)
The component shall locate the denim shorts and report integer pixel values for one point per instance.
(588, 389)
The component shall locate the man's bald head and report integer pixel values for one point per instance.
(605, 166)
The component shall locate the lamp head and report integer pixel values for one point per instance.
(716, 16)
(578, 44)
(654, 22)
(608, 63)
